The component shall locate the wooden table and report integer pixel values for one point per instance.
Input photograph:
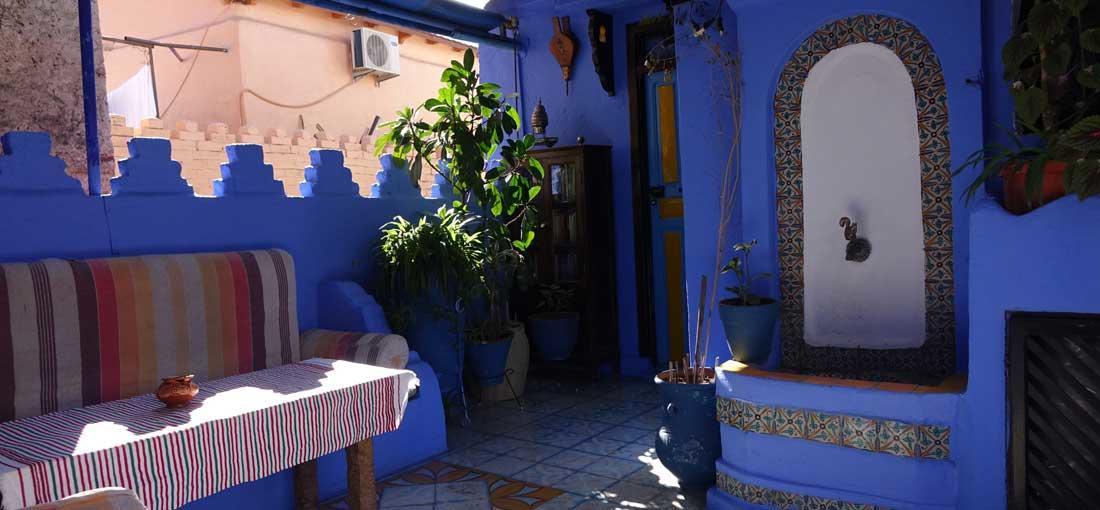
(238, 429)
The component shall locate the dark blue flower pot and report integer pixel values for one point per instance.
(688, 442)
(489, 360)
(749, 330)
(555, 334)
(438, 340)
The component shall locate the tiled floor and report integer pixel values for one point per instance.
(594, 443)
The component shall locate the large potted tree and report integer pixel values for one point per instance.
(492, 176)
(1052, 68)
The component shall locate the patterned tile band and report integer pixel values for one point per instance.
(763, 496)
(870, 434)
(937, 354)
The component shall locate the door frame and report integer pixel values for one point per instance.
(636, 33)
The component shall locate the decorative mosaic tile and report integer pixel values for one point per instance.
(784, 500)
(897, 438)
(934, 442)
(758, 418)
(790, 422)
(823, 427)
(861, 433)
(449, 484)
(937, 354)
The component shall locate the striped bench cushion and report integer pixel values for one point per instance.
(111, 498)
(77, 333)
(378, 349)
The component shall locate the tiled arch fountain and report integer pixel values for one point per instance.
(936, 356)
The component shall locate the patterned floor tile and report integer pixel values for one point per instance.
(535, 452)
(443, 486)
(613, 468)
(469, 457)
(505, 465)
(628, 434)
(544, 474)
(600, 446)
(583, 483)
(573, 459)
(500, 444)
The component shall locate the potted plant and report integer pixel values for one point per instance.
(492, 176)
(555, 328)
(430, 269)
(749, 319)
(1051, 66)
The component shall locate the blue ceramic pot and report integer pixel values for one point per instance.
(555, 333)
(688, 442)
(489, 360)
(437, 339)
(749, 330)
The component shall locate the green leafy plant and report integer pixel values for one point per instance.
(472, 125)
(739, 265)
(555, 298)
(1053, 68)
(438, 253)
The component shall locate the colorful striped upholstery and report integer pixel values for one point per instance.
(378, 349)
(112, 498)
(76, 333)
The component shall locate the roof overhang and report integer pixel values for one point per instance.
(443, 17)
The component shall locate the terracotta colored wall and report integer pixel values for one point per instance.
(40, 81)
(290, 55)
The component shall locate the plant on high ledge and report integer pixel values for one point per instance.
(473, 123)
(749, 319)
(1053, 68)
(556, 327)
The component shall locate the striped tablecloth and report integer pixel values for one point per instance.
(238, 429)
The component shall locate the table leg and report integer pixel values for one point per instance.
(362, 494)
(305, 486)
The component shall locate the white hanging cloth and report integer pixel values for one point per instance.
(134, 98)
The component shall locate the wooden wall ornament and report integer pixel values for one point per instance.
(564, 48)
(599, 36)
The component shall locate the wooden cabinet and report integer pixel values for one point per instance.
(574, 246)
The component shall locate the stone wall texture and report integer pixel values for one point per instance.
(40, 80)
(201, 151)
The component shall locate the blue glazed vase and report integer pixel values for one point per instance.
(555, 334)
(749, 330)
(688, 442)
(489, 360)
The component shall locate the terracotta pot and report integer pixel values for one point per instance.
(1015, 185)
(177, 391)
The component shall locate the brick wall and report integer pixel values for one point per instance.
(201, 151)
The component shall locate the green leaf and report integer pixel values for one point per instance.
(1030, 104)
(1046, 21)
(1057, 60)
(1089, 77)
(468, 59)
(1090, 40)
(1074, 7)
(1017, 50)
(1084, 135)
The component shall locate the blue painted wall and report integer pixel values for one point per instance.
(1044, 261)
(331, 237)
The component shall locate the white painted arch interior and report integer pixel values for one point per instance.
(861, 159)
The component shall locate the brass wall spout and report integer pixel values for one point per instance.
(859, 249)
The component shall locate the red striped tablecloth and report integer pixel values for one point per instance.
(238, 429)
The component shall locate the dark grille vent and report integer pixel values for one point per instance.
(357, 48)
(1054, 406)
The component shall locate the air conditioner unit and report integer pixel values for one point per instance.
(376, 53)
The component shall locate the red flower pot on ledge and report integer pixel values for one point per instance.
(1015, 187)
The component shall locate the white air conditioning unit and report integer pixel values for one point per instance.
(374, 52)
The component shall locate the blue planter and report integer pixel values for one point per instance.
(489, 360)
(688, 442)
(438, 342)
(555, 334)
(749, 330)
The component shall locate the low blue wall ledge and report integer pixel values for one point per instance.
(150, 170)
(393, 180)
(327, 175)
(246, 173)
(28, 167)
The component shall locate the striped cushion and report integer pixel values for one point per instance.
(76, 333)
(378, 349)
(111, 498)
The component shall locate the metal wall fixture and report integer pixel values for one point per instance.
(859, 249)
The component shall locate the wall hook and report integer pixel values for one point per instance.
(858, 249)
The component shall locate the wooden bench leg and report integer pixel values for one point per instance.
(362, 494)
(305, 486)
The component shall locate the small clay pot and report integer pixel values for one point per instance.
(177, 391)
